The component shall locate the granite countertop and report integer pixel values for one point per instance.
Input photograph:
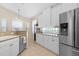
(8, 37)
(53, 35)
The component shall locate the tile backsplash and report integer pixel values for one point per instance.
(51, 30)
(4, 33)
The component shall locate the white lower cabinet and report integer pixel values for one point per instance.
(40, 39)
(52, 44)
(14, 47)
(10, 47)
(49, 42)
(4, 48)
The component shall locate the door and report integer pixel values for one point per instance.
(77, 28)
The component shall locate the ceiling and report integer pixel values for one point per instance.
(28, 10)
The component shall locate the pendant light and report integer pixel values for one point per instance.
(18, 14)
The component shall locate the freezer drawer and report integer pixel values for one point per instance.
(75, 52)
(65, 50)
(77, 27)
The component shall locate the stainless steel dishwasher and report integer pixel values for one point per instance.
(22, 43)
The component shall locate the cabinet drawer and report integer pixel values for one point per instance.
(4, 48)
(5, 43)
(39, 39)
(52, 43)
(9, 47)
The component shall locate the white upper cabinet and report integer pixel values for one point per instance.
(44, 18)
(60, 9)
(48, 19)
(55, 17)
(67, 6)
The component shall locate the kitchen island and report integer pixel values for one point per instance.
(9, 45)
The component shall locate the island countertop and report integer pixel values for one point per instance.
(8, 37)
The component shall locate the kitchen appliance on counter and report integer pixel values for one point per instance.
(69, 33)
(22, 43)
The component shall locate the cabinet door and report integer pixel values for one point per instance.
(39, 39)
(4, 48)
(55, 17)
(51, 43)
(54, 45)
(14, 47)
(47, 41)
(65, 50)
(10, 47)
(44, 18)
(4, 51)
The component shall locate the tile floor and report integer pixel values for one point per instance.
(35, 49)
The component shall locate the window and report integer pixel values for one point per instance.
(4, 25)
(17, 25)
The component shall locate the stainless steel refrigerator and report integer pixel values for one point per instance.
(69, 33)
